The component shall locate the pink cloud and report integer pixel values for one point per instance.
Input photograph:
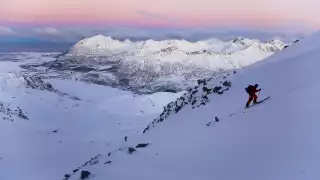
(160, 13)
(47, 31)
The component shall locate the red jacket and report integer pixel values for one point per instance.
(252, 90)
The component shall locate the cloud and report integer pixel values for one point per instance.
(6, 31)
(156, 16)
(72, 35)
(47, 31)
(192, 34)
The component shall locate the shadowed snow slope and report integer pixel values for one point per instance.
(275, 140)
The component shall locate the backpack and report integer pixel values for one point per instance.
(248, 89)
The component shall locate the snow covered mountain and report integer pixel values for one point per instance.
(207, 134)
(101, 45)
(155, 66)
(54, 128)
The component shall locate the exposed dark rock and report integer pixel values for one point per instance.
(170, 90)
(93, 162)
(146, 129)
(227, 83)
(216, 119)
(36, 82)
(21, 115)
(216, 89)
(194, 92)
(204, 82)
(131, 150)
(67, 176)
(142, 145)
(207, 90)
(178, 108)
(9, 113)
(192, 98)
(85, 175)
(108, 162)
(208, 124)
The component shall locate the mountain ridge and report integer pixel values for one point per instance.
(108, 43)
(151, 66)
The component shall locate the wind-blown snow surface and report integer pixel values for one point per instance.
(49, 126)
(278, 139)
(156, 66)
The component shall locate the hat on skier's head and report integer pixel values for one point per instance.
(256, 85)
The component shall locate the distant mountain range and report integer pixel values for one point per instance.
(152, 66)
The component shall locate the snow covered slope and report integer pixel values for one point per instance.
(156, 66)
(48, 126)
(275, 140)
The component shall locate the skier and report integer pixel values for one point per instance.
(251, 90)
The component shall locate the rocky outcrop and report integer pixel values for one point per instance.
(36, 82)
(12, 114)
(195, 97)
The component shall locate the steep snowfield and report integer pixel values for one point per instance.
(275, 140)
(49, 126)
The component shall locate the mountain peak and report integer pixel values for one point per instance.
(98, 43)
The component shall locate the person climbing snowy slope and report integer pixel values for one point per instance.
(251, 90)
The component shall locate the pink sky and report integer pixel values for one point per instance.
(161, 13)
